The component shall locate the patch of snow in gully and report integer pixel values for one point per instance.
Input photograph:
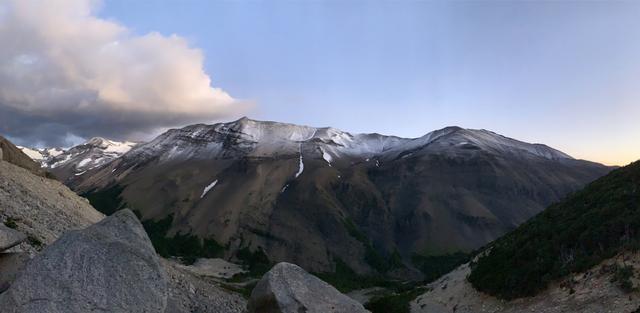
(206, 189)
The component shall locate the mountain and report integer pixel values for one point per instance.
(12, 154)
(67, 163)
(321, 197)
(578, 255)
(41, 155)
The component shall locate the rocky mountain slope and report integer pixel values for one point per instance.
(12, 154)
(319, 196)
(41, 211)
(42, 155)
(579, 255)
(40, 207)
(67, 163)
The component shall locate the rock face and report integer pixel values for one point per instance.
(10, 237)
(108, 267)
(41, 208)
(11, 264)
(12, 154)
(287, 288)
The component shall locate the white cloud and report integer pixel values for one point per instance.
(60, 62)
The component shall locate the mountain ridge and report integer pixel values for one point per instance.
(359, 199)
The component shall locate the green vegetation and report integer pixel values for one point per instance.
(354, 232)
(395, 302)
(376, 260)
(187, 247)
(594, 224)
(346, 279)
(107, 201)
(435, 266)
(622, 276)
(35, 242)
(11, 223)
(256, 262)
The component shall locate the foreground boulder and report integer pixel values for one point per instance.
(108, 267)
(287, 288)
(11, 264)
(10, 237)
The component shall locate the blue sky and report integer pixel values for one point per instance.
(563, 73)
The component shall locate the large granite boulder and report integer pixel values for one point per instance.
(287, 288)
(10, 237)
(110, 266)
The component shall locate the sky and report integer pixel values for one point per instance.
(565, 74)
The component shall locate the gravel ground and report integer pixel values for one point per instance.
(189, 292)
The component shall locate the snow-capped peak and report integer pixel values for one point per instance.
(457, 137)
(110, 145)
(76, 160)
(41, 155)
(247, 137)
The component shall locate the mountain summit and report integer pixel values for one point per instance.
(66, 163)
(253, 138)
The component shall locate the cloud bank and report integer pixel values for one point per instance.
(64, 72)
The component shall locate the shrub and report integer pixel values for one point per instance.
(11, 223)
(394, 303)
(433, 267)
(622, 275)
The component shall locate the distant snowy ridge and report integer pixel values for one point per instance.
(246, 137)
(265, 139)
(76, 160)
(41, 155)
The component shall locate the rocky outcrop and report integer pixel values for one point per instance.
(11, 265)
(109, 267)
(41, 208)
(287, 288)
(10, 237)
(12, 154)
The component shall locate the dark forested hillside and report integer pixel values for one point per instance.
(589, 226)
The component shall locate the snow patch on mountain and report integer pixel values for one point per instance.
(300, 166)
(326, 156)
(43, 154)
(208, 187)
(34, 154)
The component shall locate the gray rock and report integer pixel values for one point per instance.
(10, 237)
(108, 267)
(287, 288)
(11, 264)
